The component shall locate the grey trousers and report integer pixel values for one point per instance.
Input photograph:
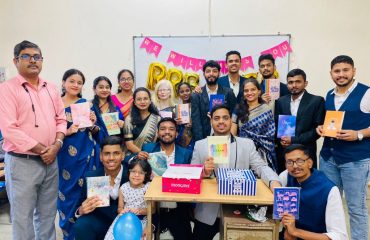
(32, 189)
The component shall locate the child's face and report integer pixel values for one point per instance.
(137, 176)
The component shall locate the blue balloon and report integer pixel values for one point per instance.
(127, 227)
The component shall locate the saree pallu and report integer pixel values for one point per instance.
(260, 127)
(125, 107)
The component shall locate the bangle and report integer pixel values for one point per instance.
(60, 141)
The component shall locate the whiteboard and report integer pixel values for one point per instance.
(208, 48)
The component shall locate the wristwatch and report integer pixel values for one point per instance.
(360, 136)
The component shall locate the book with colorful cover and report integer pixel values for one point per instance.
(286, 199)
(110, 120)
(81, 114)
(99, 186)
(272, 87)
(286, 126)
(165, 114)
(182, 111)
(333, 123)
(216, 99)
(158, 162)
(219, 148)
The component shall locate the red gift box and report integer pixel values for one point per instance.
(182, 178)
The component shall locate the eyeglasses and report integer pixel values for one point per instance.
(28, 57)
(299, 162)
(136, 172)
(129, 79)
(164, 90)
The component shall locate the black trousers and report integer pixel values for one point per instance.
(177, 221)
(204, 231)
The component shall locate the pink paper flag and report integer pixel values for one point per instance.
(223, 66)
(192, 63)
(156, 48)
(147, 44)
(268, 51)
(247, 62)
(184, 61)
(285, 47)
(201, 62)
(175, 58)
(275, 51)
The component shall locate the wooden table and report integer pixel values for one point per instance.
(208, 194)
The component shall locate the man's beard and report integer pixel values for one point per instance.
(167, 142)
(211, 82)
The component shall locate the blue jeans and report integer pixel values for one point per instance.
(351, 178)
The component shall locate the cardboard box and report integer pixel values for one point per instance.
(182, 178)
(236, 182)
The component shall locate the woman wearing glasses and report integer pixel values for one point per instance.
(164, 98)
(123, 99)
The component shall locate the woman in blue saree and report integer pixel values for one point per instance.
(79, 154)
(253, 119)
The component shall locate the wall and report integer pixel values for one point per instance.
(96, 36)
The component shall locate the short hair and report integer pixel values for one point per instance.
(233, 52)
(342, 59)
(144, 164)
(69, 73)
(111, 140)
(221, 106)
(166, 119)
(296, 72)
(297, 146)
(23, 45)
(211, 64)
(266, 57)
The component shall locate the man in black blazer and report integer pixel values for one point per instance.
(201, 125)
(93, 221)
(233, 79)
(309, 110)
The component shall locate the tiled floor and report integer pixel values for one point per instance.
(5, 226)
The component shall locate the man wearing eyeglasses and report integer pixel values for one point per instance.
(321, 214)
(33, 125)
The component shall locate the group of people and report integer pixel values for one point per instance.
(48, 158)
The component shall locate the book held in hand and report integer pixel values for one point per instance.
(272, 88)
(219, 148)
(333, 123)
(99, 186)
(286, 126)
(165, 114)
(286, 199)
(216, 99)
(158, 162)
(183, 112)
(110, 120)
(81, 114)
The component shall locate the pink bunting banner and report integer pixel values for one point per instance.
(246, 62)
(223, 66)
(151, 47)
(278, 50)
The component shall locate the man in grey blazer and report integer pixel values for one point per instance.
(243, 155)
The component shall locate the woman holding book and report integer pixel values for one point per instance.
(123, 99)
(253, 118)
(141, 124)
(103, 105)
(164, 98)
(185, 136)
(78, 153)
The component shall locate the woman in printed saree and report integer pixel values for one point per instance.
(141, 124)
(253, 119)
(164, 98)
(184, 137)
(102, 103)
(80, 153)
(123, 99)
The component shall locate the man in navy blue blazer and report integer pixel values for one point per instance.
(233, 79)
(174, 217)
(93, 221)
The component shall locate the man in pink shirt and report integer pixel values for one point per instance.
(33, 125)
